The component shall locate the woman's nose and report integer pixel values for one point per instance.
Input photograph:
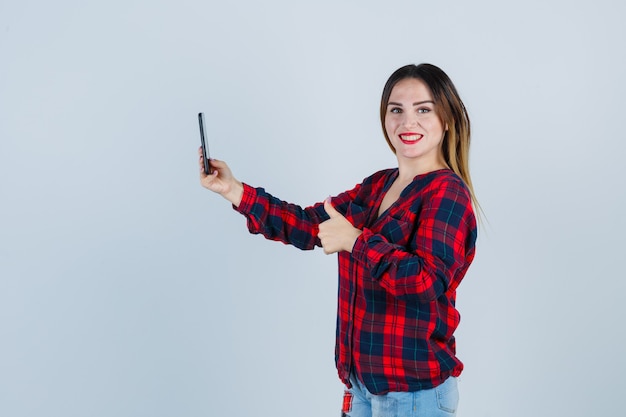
(410, 120)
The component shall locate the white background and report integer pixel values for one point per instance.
(126, 289)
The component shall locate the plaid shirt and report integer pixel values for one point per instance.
(397, 289)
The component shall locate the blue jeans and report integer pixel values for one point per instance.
(440, 401)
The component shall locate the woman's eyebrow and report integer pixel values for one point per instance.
(417, 103)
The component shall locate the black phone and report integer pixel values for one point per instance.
(205, 148)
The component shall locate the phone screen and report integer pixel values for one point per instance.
(205, 149)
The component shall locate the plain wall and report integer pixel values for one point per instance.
(126, 289)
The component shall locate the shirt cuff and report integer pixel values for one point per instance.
(361, 249)
(247, 199)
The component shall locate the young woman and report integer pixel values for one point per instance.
(405, 238)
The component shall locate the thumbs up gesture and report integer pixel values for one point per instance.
(337, 233)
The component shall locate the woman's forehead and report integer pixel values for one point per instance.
(410, 89)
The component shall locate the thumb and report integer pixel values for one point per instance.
(330, 210)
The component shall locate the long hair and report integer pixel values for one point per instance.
(451, 111)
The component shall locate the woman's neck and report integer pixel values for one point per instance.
(408, 171)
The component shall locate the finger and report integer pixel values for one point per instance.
(218, 163)
(328, 249)
(330, 210)
(201, 166)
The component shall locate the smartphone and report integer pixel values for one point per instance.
(205, 149)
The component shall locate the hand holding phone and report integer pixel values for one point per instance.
(205, 148)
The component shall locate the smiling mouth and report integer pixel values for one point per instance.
(410, 138)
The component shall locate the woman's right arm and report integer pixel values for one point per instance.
(281, 221)
(267, 215)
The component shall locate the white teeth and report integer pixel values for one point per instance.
(411, 138)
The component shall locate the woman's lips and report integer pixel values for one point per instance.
(410, 137)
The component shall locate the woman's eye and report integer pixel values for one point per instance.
(423, 110)
(395, 110)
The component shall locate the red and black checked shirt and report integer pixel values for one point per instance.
(397, 289)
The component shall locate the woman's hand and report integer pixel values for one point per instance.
(337, 233)
(221, 181)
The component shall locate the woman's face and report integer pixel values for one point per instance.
(413, 126)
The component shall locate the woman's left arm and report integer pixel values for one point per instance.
(444, 245)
